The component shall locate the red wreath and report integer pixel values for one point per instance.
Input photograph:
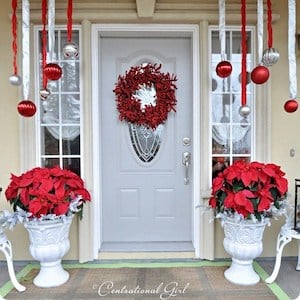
(130, 107)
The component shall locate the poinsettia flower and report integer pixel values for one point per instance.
(26, 179)
(12, 190)
(43, 191)
(248, 188)
(213, 202)
(218, 182)
(84, 193)
(282, 185)
(241, 210)
(39, 207)
(241, 199)
(229, 201)
(25, 197)
(62, 208)
(46, 184)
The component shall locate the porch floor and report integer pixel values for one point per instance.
(288, 278)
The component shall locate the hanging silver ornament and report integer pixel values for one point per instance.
(44, 93)
(244, 110)
(270, 57)
(15, 79)
(70, 50)
(244, 122)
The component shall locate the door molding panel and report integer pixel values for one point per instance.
(119, 30)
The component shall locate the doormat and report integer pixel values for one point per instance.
(151, 280)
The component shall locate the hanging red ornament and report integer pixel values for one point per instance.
(52, 71)
(224, 69)
(260, 74)
(291, 106)
(26, 108)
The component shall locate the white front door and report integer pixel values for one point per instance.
(147, 203)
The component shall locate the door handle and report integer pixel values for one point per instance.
(186, 161)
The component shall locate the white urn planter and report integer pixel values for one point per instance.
(243, 242)
(49, 242)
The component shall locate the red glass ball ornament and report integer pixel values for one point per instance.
(26, 108)
(53, 71)
(224, 69)
(260, 74)
(291, 106)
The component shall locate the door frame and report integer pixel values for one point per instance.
(192, 31)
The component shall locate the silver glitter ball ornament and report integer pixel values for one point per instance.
(15, 79)
(70, 50)
(44, 93)
(244, 110)
(270, 57)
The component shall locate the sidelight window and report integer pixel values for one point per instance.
(59, 116)
(231, 133)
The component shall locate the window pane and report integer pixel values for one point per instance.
(245, 158)
(49, 142)
(70, 106)
(70, 78)
(72, 164)
(219, 164)
(50, 162)
(50, 110)
(145, 141)
(241, 139)
(72, 146)
(221, 139)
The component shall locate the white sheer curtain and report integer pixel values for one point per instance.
(71, 115)
(62, 111)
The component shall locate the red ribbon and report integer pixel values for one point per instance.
(70, 21)
(44, 41)
(14, 35)
(270, 31)
(244, 54)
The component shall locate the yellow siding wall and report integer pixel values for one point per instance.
(285, 129)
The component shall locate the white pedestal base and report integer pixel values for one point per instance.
(242, 273)
(54, 272)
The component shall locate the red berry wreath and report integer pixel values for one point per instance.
(146, 77)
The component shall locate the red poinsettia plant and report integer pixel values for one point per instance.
(47, 191)
(249, 189)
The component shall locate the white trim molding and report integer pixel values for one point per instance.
(99, 30)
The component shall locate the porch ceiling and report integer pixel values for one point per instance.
(187, 11)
